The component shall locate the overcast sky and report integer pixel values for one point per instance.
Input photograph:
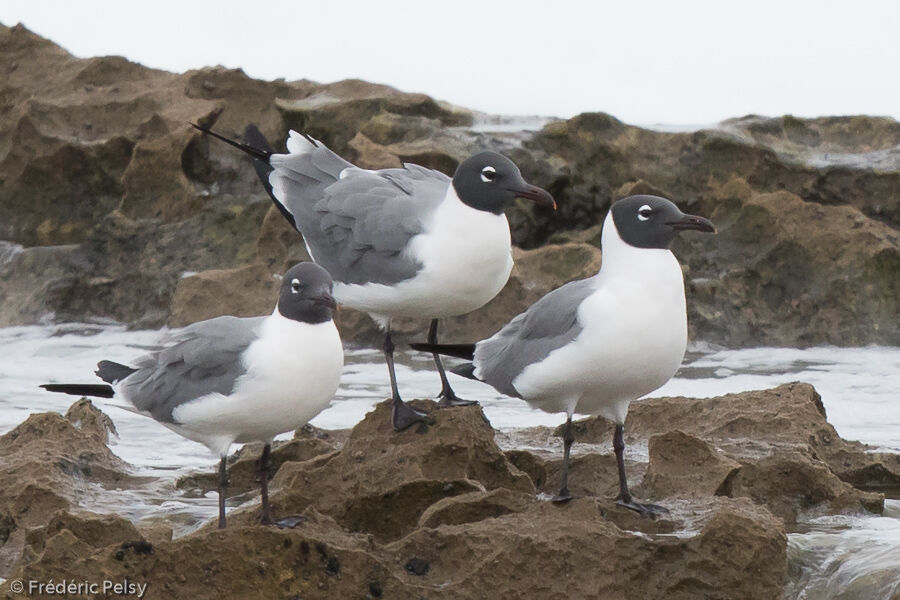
(642, 61)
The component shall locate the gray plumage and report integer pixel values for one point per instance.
(203, 358)
(548, 324)
(357, 223)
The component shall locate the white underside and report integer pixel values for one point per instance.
(466, 256)
(293, 371)
(633, 339)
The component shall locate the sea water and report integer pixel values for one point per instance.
(845, 557)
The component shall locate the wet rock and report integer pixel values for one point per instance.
(778, 267)
(242, 467)
(317, 561)
(775, 277)
(381, 481)
(68, 536)
(774, 446)
(551, 551)
(97, 153)
(590, 474)
(372, 110)
(791, 483)
(49, 460)
(50, 463)
(683, 465)
(541, 551)
(370, 155)
(242, 292)
(475, 506)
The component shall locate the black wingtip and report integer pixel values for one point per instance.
(310, 139)
(254, 138)
(464, 351)
(112, 372)
(466, 370)
(75, 389)
(259, 153)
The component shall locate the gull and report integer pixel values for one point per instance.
(595, 345)
(399, 242)
(234, 380)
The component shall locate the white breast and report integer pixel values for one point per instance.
(293, 371)
(466, 256)
(633, 338)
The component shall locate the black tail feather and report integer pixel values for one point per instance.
(258, 153)
(112, 372)
(257, 146)
(97, 390)
(464, 351)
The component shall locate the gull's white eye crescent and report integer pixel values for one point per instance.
(644, 212)
(295, 286)
(488, 174)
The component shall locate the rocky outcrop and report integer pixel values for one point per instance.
(441, 511)
(123, 211)
(50, 463)
(774, 446)
(797, 238)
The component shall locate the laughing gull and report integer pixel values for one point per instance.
(235, 380)
(402, 242)
(594, 345)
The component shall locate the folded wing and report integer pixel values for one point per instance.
(203, 358)
(548, 324)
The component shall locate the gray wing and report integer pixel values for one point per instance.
(356, 223)
(548, 324)
(201, 359)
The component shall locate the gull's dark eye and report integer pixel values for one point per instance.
(488, 174)
(645, 212)
(295, 286)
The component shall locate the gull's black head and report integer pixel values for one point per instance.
(306, 294)
(489, 181)
(652, 222)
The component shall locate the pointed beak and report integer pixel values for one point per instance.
(326, 300)
(692, 222)
(539, 196)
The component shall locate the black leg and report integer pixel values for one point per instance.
(402, 416)
(263, 466)
(568, 439)
(262, 471)
(223, 488)
(624, 498)
(447, 396)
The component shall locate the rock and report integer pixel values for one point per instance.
(774, 446)
(97, 154)
(791, 483)
(536, 551)
(475, 506)
(776, 278)
(590, 474)
(91, 421)
(370, 155)
(242, 475)
(315, 561)
(778, 267)
(50, 463)
(60, 455)
(381, 482)
(571, 551)
(683, 465)
(68, 536)
(242, 292)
